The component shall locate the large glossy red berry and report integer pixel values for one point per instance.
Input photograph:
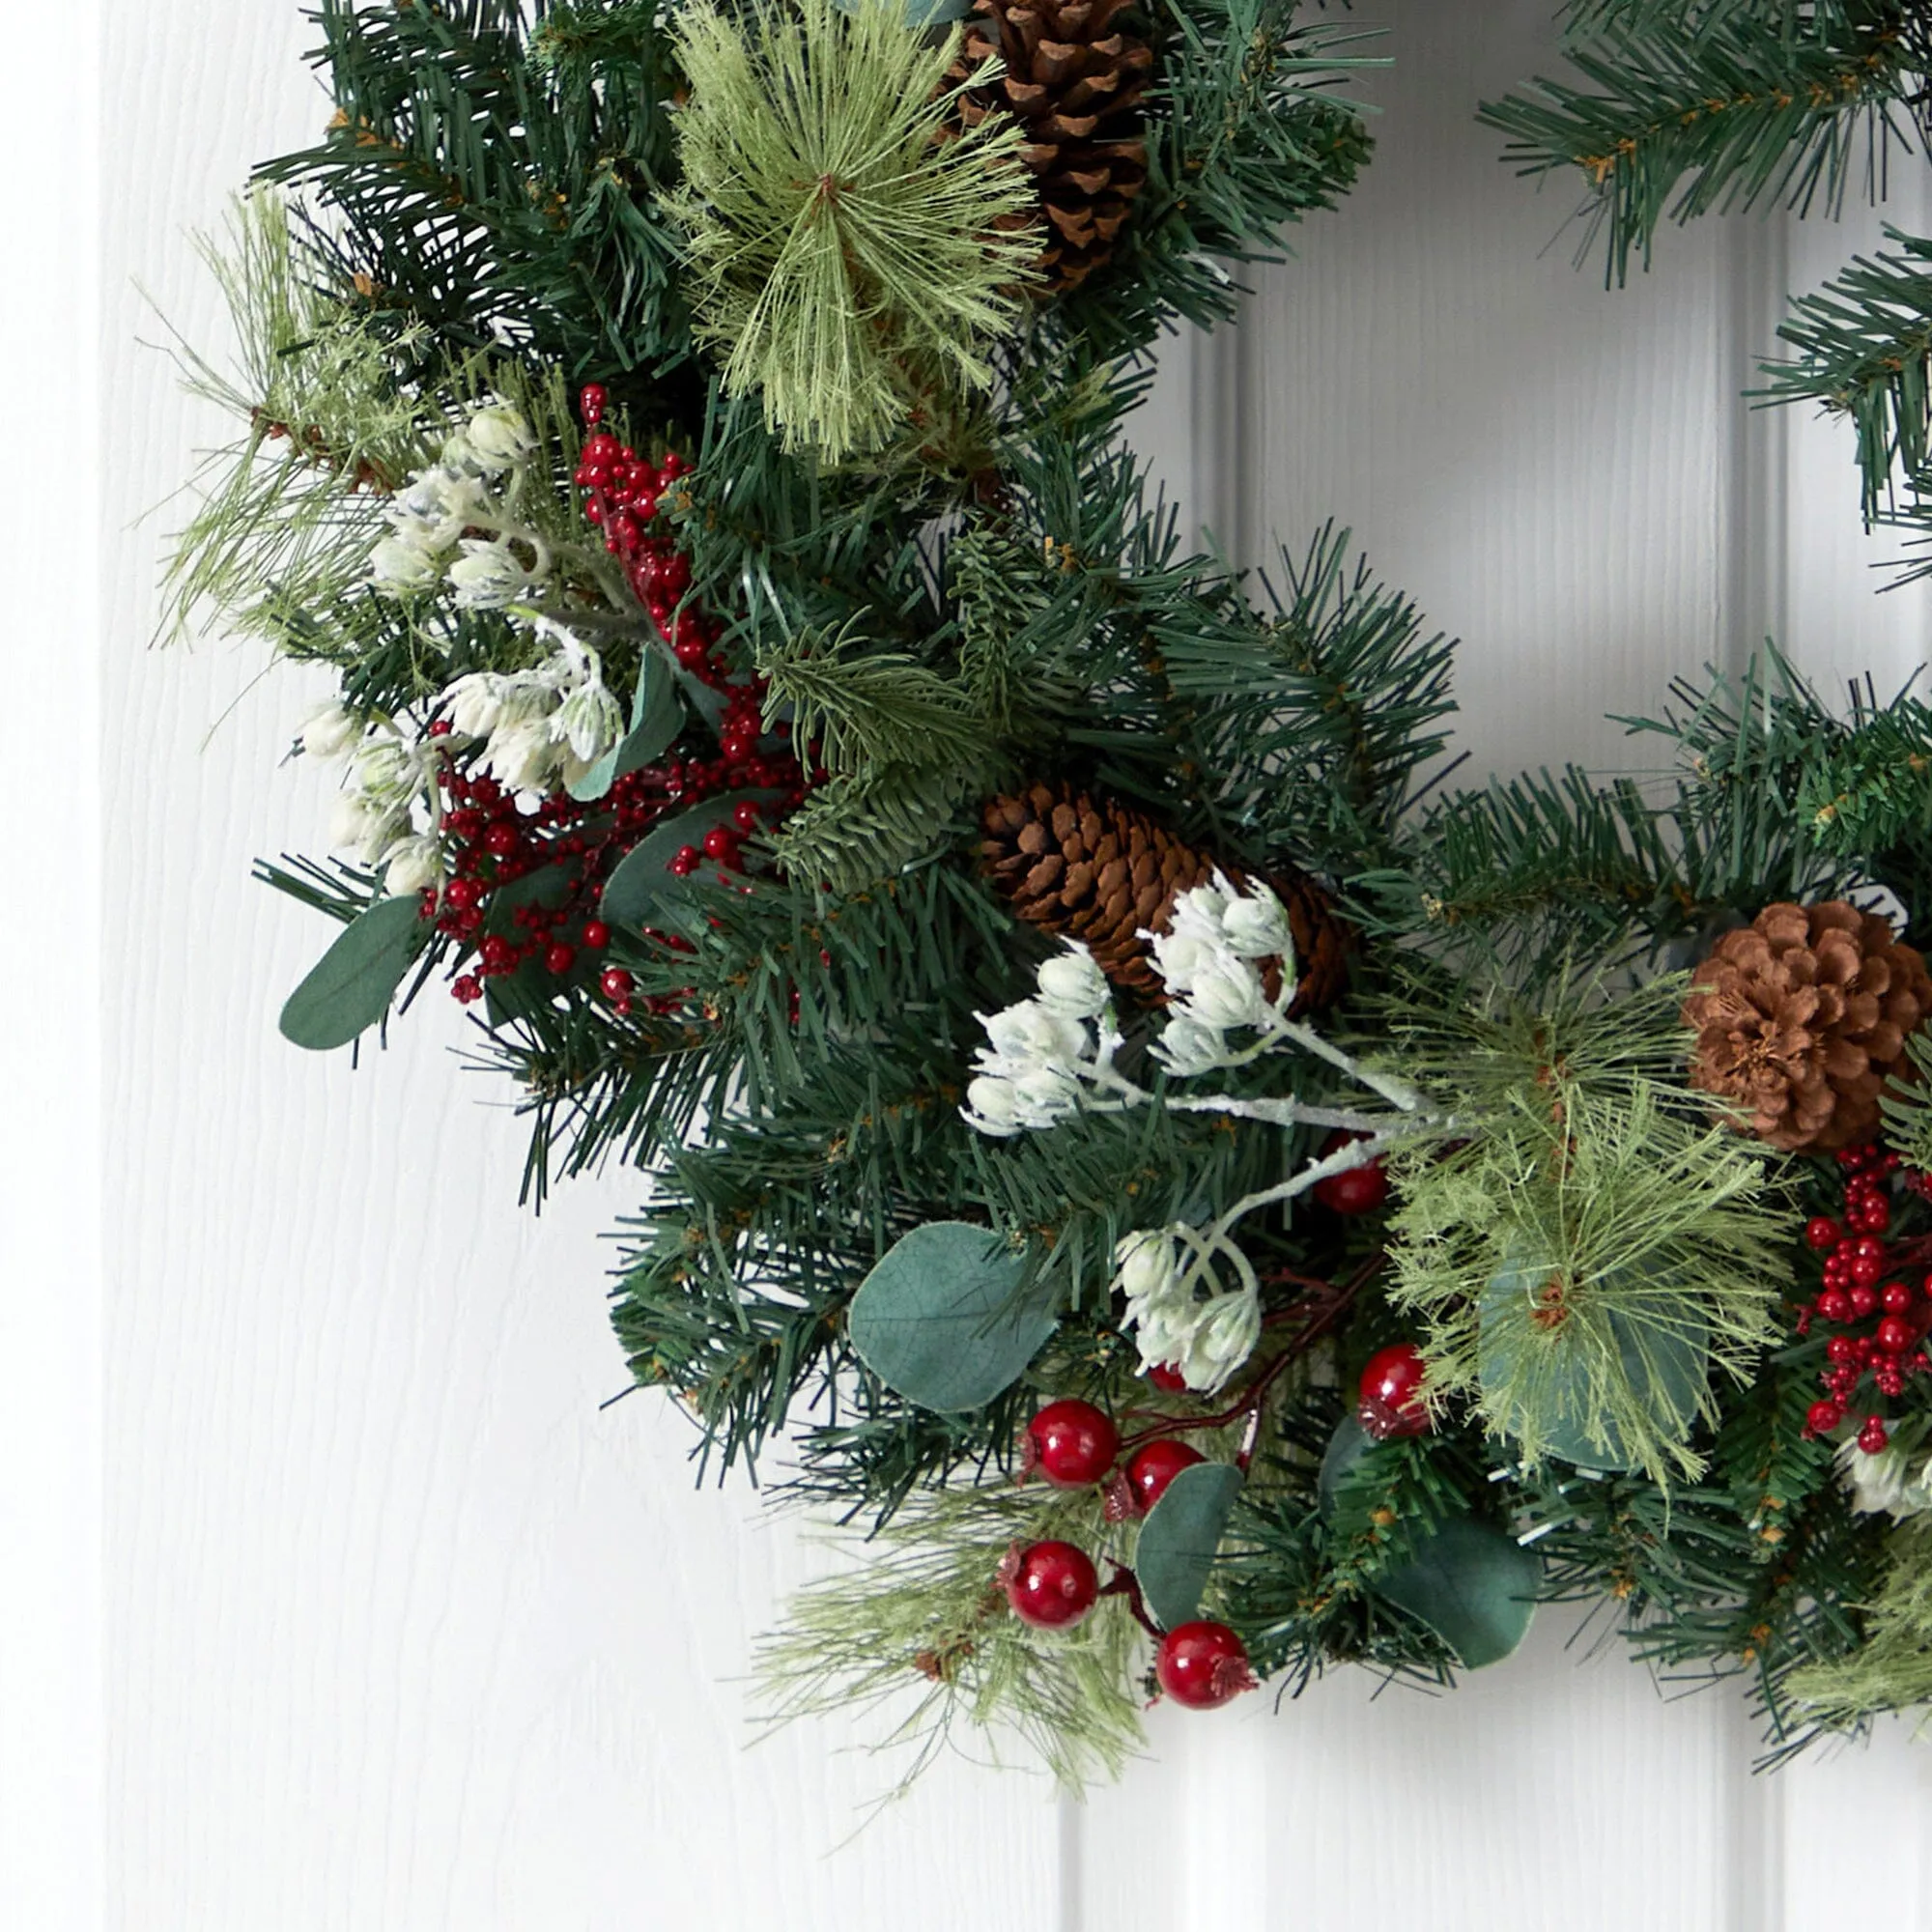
(1873, 1438)
(1071, 1443)
(1822, 1417)
(1202, 1665)
(1392, 1402)
(1895, 1335)
(1050, 1585)
(1821, 1232)
(1154, 1465)
(1355, 1191)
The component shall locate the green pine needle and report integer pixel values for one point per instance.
(1641, 1229)
(922, 1631)
(849, 252)
(1892, 1669)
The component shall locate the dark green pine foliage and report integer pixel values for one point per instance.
(1702, 107)
(494, 179)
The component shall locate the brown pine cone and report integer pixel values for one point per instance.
(1101, 872)
(1800, 1016)
(1076, 88)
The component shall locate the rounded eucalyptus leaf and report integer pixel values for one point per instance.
(350, 988)
(936, 1320)
(644, 882)
(1669, 1370)
(1473, 1585)
(1180, 1537)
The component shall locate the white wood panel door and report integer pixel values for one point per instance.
(409, 1634)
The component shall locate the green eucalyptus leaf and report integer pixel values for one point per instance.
(1347, 1447)
(644, 881)
(350, 988)
(935, 1319)
(657, 717)
(1667, 1369)
(1473, 1585)
(1179, 1539)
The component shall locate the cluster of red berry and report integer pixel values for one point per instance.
(1054, 1584)
(490, 842)
(1863, 1282)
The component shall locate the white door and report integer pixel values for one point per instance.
(409, 1633)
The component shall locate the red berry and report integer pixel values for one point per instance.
(496, 954)
(1895, 1298)
(1835, 1305)
(616, 983)
(1391, 1389)
(745, 816)
(1202, 1665)
(596, 935)
(1842, 1348)
(1822, 1232)
(1895, 1335)
(1873, 1438)
(1355, 1191)
(1863, 1299)
(1822, 1417)
(500, 841)
(1164, 1375)
(590, 399)
(1050, 1585)
(1071, 1443)
(468, 989)
(1154, 1465)
(720, 843)
(560, 959)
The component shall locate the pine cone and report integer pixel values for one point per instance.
(1100, 872)
(1076, 88)
(1799, 1017)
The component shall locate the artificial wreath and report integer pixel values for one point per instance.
(1205, 1198)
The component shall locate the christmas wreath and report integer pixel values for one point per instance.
(1200, 1195)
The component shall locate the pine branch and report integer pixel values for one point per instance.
(1726, 111)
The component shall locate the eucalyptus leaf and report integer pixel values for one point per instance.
(350, 988)
(657, 717)
(644, 880)
(1179, 1539)
(1347, 1447)
(935, 1319)
(1667, 1370)
(1473, 1585)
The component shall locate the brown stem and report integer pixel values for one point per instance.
(1124, 1583)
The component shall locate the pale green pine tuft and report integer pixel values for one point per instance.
(847, 244)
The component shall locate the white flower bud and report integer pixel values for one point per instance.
(1255, 926)
(1226, 994)
(1072, 986)
(1178, 957)
(1145, 1266)
(330, 732)
(992, 1106)
(591, 721)
(474, 703)
(1028, 1034)
(523, 756)
(413, 864)
(1047, 1097)
(487, 575)
(1884, 1482)
(435, 508)
(398, 566)
(1223, 1337)
(498, 438)
(1186, 1048)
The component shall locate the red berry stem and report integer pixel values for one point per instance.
(1319, 1311)
(1124, 1583)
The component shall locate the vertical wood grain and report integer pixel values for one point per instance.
(408, 1633)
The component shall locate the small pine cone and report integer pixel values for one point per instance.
(1076, 90)
(1800, 1018)
(1102, 872)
